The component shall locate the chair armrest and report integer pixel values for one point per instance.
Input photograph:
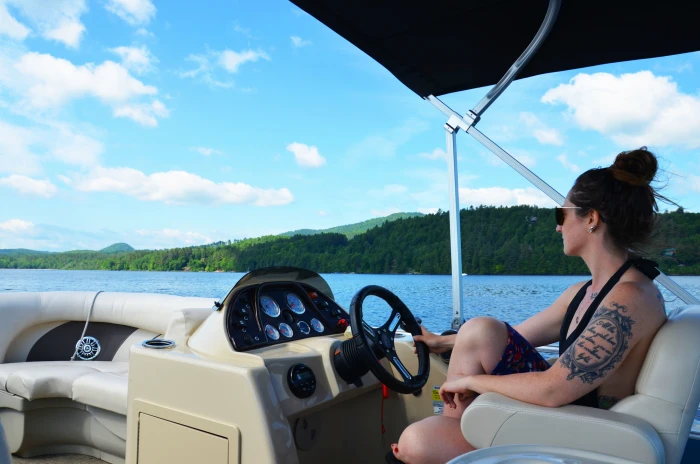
(494, 419)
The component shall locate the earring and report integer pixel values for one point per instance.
(591, 229)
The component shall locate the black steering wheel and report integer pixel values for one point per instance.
(374, 344)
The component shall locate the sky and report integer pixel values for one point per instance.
(165, 124)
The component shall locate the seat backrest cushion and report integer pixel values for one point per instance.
(21, 312)
(668, 387)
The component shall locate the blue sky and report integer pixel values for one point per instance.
(166, 124)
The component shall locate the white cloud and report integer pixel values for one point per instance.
(632, 109)
(69, 32)
(177, 187)
(567, 164)
(168, 238)
(144, 114)
(16, 226)
(10, 27)
(501, 196)
(137, 59)
(20, 147)
(243, 31)
(384, 212)
(66, 180)
(544, 134)
(28, 186)
(207, 151)
(16, 154)
(143, 32)
(134, 12)
(307, 156)
(322, 213)
(298, 42)
(428, 210)
(231, 60)
(57, 20)
(51, 82)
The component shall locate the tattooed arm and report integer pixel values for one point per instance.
(615, 328)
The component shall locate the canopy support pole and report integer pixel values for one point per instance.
(467, 124)
(451, 129)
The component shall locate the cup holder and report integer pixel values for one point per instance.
(159, 344)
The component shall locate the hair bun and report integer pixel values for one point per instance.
(635, 167)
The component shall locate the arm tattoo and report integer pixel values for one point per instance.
(601, 346)
(607, 402)
(660, 297)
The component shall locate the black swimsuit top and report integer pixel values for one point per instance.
(645, 266)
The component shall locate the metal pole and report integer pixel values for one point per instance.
(455, 234)
(549, 20)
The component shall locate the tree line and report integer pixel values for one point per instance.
(518, 240)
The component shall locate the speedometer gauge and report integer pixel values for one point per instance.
(317, 325)
(286, 330)
(295, 303)
(269, 306)
(271, 332)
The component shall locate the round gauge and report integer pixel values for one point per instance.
(269, 306)
(271, 332)
(304, 327)
(295, 303)
(317, 325)
(286, 330)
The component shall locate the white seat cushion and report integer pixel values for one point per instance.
(51, 379)
(102, 390)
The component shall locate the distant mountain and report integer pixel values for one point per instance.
(350, 230)
(117, 248)
(22, 251)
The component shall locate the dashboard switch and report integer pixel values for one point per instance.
(343, 324)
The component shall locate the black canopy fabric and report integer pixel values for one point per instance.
(441, 46)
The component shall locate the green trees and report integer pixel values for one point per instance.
(516, 240)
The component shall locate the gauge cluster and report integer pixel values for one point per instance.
(273, 313)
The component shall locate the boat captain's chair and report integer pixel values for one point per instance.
(651, 426)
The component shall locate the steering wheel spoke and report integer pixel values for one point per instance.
(396, 362)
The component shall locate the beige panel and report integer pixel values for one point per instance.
(161, 441)
(419, 407)
(22, 344)
(135, 338)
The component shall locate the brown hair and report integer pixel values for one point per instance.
(623, 196)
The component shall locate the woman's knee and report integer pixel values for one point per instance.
(415, 443)
(482, 330)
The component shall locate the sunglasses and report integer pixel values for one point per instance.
(559, 213)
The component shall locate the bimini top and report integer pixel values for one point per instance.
(441, 46)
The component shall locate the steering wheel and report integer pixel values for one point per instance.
(375, 344)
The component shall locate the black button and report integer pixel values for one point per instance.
(247, 339)
(287, 316)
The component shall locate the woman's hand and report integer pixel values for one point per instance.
(436, 343)
(457, 387)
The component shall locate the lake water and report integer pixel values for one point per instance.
(510, 298)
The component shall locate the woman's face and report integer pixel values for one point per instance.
(573, 230)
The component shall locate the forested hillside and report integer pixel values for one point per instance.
(350, 230)
(515, 240)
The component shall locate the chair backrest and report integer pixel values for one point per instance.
(668, 388)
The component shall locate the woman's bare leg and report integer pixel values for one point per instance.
(434, 440)
(478, 350)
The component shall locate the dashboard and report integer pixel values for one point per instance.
(268, 314)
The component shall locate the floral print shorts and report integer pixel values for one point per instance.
(519, 356)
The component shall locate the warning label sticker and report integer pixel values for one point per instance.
(438, 404)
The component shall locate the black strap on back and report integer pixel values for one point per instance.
(645, 266)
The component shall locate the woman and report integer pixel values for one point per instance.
(608, 212)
